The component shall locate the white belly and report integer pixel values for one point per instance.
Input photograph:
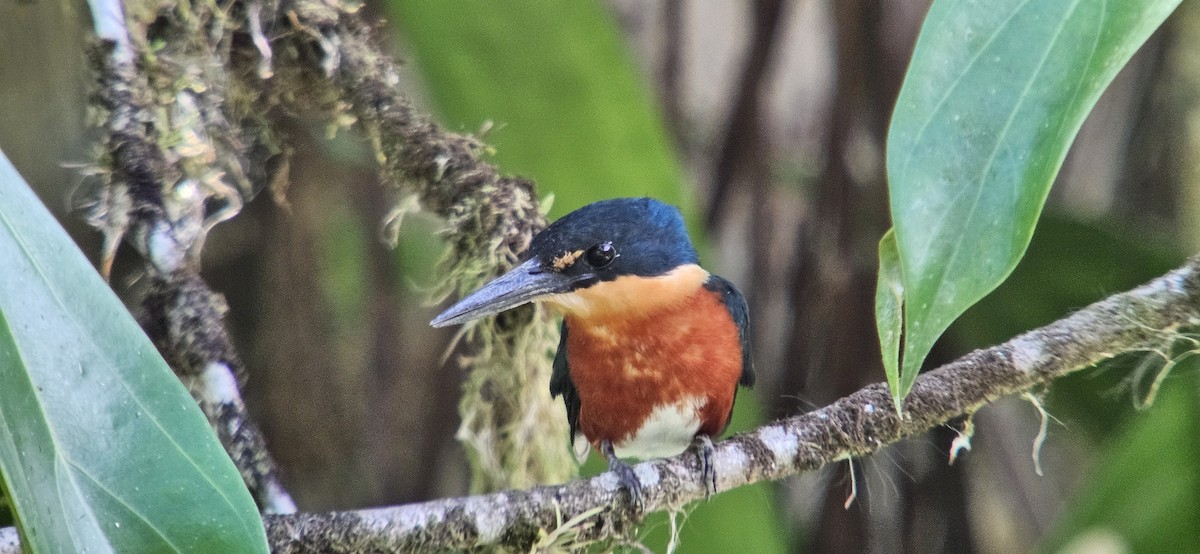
(667, 432)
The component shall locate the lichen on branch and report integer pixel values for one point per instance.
(191, 113)
(514, 432)
(168, 170)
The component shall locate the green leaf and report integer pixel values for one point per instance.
(995, 94)
(101, 447)
(889, 309)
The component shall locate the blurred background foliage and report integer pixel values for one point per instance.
(765, 122)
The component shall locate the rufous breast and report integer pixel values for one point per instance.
(652, 375)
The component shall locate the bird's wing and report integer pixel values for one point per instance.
(561, 384)
(736, 304)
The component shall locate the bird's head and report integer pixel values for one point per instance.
(604, 257)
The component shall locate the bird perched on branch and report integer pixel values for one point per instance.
(653, 347)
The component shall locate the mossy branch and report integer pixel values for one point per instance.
(164, 129)
(187, 89)
(590, 510)
(856, 425)
(514, 432)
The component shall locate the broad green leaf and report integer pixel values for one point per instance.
(889, 309)
(995, 94)
(101, 447)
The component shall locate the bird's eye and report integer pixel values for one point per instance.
(601, 255)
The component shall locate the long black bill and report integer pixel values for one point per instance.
(525, 283)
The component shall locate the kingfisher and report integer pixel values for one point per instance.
(652, 347)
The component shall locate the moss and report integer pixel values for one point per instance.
(191, 129)
(512, 429)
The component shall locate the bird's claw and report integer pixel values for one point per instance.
(627, 479)
(708, 473)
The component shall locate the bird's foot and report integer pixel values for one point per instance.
(708, 473)
(626, 477)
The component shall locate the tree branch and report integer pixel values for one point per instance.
(156, 198)
(9, 543)
(590, 510)
(856, 425)
(511, 428)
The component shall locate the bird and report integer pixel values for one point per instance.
(652, 347)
